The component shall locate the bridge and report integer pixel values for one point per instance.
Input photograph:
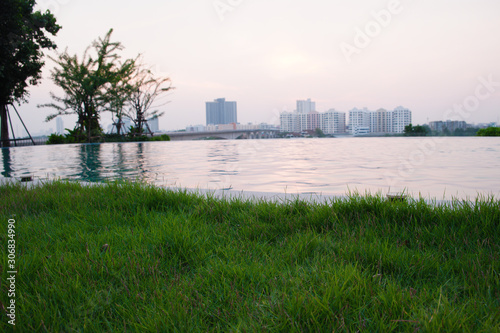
(225, 134)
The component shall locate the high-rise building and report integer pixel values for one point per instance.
(306, 106)
(359, 120)
(220, 112)
(333, 122)
(314, 120)
(400, 118)
(380, 121)
(450, 125)
(59, 126)
(330, 122)
(289, 122)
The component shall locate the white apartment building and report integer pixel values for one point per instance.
(306, 106)
(361, 121)
(333, 122)
(289, 122)
(359, 118)
(380, 121)
(330, 122)
(401, 117)
(303, 123)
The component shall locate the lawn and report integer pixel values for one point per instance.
(136, 258)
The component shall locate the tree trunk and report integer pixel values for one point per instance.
(119, 126)
(4, 127)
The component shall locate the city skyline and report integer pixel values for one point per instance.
(374, 54)
(360, 121)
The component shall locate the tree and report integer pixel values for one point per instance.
(91, 85)
(408, 130)
(147, 89)
(22, 39)
(319, 133)
(118, 97)
(418, 130)
(119, 94)
(490, 131)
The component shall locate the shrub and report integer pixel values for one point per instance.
(56, 139)
(162, 137)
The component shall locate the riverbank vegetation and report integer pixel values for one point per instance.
(56, 139)
(490, 131)
(132, 257)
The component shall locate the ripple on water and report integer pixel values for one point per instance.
(330, 166)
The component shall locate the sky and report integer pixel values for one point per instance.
(440, 59)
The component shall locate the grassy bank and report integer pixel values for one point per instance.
(135, 258)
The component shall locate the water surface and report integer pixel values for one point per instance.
(431, 167)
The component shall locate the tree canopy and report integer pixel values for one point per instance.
(418, 130)
(147, 89)
(101, 82)
(490, 131)
(23, 36)
(97, 82)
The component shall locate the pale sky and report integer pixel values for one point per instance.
(425, 55)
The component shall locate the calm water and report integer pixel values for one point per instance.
(433, 167)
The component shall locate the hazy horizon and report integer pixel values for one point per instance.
(427, 57)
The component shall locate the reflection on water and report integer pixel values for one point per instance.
(451, 166)
(7, 169)
(223, 156)
(90, 163)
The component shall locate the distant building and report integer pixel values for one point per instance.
(401, 117)
(330, 122)
(195, 128)
(333, 122)
(306, 106)
(486, 125)
(227, 127)
(436, 126)
(154, 124)
(314, 120)
(360, 130)
(126, 124)
(220, 112)
(359, 119)
(450, 125)
(289, 122)
(380, 121)
(59, 126)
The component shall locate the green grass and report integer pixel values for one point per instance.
(185, 263)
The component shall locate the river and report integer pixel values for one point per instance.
(432, 167)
